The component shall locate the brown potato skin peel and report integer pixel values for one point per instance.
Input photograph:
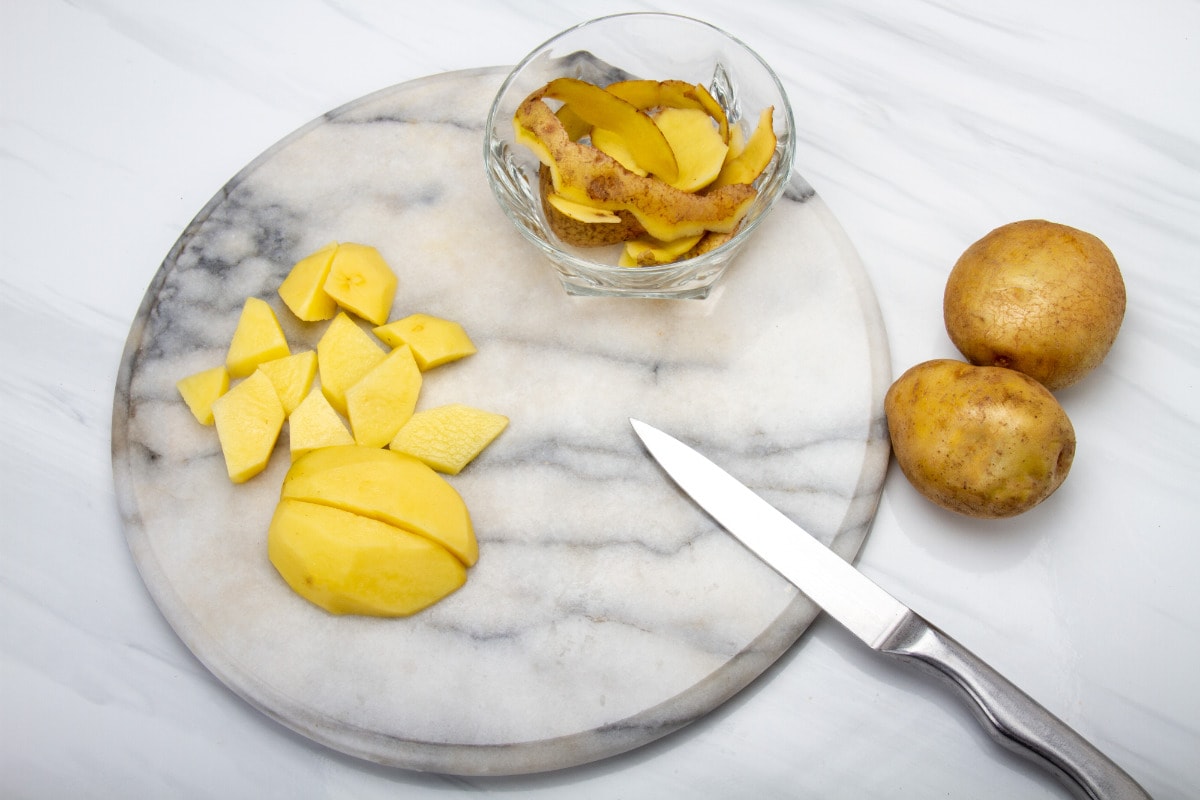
(584, 173)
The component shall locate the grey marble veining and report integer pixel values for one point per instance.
(605, 610)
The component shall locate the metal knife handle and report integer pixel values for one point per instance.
(1010, 716)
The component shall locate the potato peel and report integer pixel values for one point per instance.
(584, 174)
(647, 160)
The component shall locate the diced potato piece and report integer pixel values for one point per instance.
(360, 281)
(388, 486)
(350, 564)
(315, 424)
(697, 143)
(258, 338)
(383, 399)
(754, 157)
(434, 341)
(303, 290)
(201, 389)
(249, 418)
(345, 353)
(449, 437)
(292, 376)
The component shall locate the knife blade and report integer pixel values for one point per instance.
(1011, 717)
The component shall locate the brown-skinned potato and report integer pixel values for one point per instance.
(986, 442)
(1036, 296)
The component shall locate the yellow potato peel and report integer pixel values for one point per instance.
(584, 174)
(602, 109)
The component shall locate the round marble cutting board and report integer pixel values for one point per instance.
(606, 610)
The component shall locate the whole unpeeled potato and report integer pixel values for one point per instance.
(1038, 297)
(983, 441)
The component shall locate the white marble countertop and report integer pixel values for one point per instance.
(922, 126)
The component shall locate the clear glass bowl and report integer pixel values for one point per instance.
(619, 47)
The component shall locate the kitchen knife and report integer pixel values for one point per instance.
(1009, 716)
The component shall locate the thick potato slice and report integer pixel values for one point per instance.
(388, 486)
(349, 564)
(449, 437)
(582, 173)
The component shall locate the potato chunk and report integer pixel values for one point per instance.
(434, 341)
(315, 424)
(388, 486)
(384, 398)
(449, 437)
(249, 418)
(292, 376)
(303, 290)
(345, 353)
(360, 281)
(257, 338)
(201, 390)
(350, 564)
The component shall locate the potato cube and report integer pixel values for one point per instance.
(345, 353)
(258, 338)
(249, 418)
(384, 398)
(201, 390)
(303, 290)
(315, 424)
(434, 341)
(292, 377)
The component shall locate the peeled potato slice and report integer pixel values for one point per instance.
(388, 486)
(349, 564)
